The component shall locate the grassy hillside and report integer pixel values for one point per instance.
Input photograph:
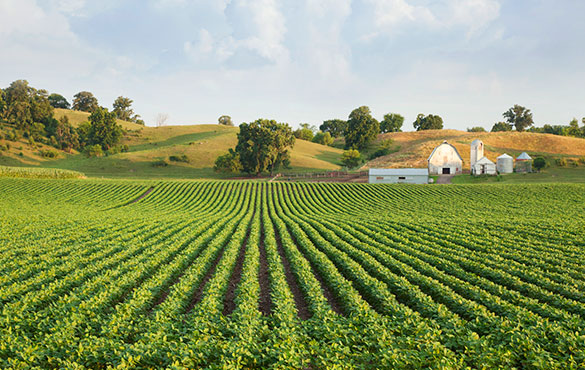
(151, 147)
(413, 148)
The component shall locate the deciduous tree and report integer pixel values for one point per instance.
(335, 127)
(392, 122)
(351, 158)
(263, 145)
(59, 101)
(225, 120)
(305, 132)
(519, 117)
(361, 129)
(85, 102)
(501, 126)
(430, 122)
(123, 109)
(103, 129)
(323, 138)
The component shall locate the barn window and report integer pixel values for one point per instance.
(401, 178)
(380, 178)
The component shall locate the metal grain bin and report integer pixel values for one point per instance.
(505, 164)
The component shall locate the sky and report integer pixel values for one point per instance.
(300, 61)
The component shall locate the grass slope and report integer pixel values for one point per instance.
(415, 147)
(201, 144)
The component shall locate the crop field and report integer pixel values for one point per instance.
(191, 274)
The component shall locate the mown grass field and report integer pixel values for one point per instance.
(191, 274)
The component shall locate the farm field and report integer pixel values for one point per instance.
(234, 274)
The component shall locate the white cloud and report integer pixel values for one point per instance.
(26, 18)
(473, 14)
(389, 13)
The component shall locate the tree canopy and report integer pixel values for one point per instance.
(501, 126)
(430, 122)
(85, 102)
(103, 129)
(476, 129)
(263, 145)
(351, 158)
(59, 101)
(361, 129)
(225, 120)
(305, 132)
(26, 107)
(323, 138)
(123, 109)
(335, 127)
(392, 122)
(519, 117)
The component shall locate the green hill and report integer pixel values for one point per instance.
(151, 147)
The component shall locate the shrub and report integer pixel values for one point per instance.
(93, 151)
(582, 160)
(48, 153)
(351, 158)
(539, 163)
(323, 138)
(159, 163)
(561, 162)
(3, 148)
(228, 163)
(179, 158)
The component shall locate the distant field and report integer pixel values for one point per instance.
(199, 274)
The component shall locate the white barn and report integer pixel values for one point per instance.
(398, 176)
(483, 167)
(445, 160)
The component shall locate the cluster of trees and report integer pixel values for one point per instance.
(310, 133)
(31, 112)
(263, 145)
(520, 118)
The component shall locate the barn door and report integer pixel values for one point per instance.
(446, 171)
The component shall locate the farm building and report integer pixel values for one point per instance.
(505, 164)
(483, 167)
(445, 160)
(398, 176)
(476, 152)
(524, 163)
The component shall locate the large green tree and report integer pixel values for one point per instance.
(103, 129)
(263, 145)
(2, 103)
(361, 129)
(430, 122)
(59, 101)
(85, 102)
(519, 117)
(123, 108)
(26, 107)
(392, 122)
(335, 127)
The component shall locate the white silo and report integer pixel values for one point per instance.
(505, 164)
(476, 152)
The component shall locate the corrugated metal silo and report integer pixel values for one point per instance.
(505, 164)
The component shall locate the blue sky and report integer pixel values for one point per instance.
(304, 60)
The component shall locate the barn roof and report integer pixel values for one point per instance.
(524, 157)
(444, 143)
(399, 171)
(484, 160)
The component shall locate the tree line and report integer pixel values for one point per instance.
(30, 112)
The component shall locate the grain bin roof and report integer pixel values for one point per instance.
(399, 171)
(505, 156)
(524, 157)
